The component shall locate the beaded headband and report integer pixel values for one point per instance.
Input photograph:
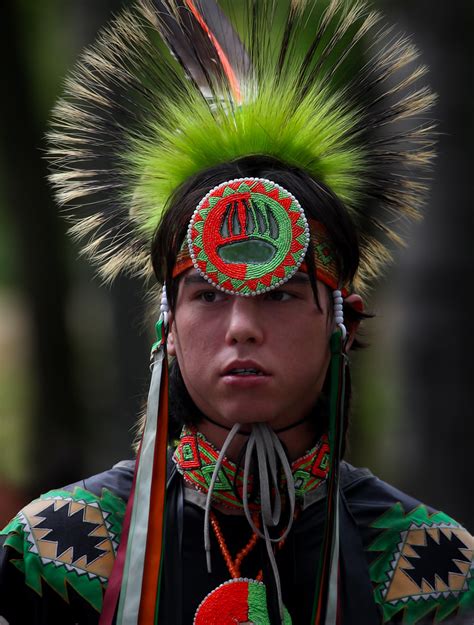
(250, 235)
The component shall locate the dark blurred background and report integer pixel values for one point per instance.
(74, 355)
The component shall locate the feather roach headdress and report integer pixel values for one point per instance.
(172, 88)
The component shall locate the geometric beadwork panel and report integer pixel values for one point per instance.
(311, 470)
(432, 561)
(421, 568)
(70, 533)
(189, 453)
(68, 539)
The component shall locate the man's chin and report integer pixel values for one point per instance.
(248, 419)
(228, 414)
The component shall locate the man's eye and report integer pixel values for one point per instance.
(279, 296)
(210, 296)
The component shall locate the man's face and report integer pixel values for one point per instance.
(252, 359)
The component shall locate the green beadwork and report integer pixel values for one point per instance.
(258, 611)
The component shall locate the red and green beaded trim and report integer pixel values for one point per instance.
(248, 236)
(196, 458)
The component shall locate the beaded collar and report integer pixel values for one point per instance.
(195, 458)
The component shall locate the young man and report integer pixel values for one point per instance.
(250, 162)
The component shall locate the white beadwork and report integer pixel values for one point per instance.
(164, 308)
(339, 312)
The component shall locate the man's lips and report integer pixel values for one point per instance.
(244, 368)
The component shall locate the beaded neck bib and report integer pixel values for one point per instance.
(195, 458)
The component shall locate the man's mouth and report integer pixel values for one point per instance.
(244, 372)
(244, 368)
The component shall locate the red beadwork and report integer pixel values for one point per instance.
(226, 605)
(234, 565)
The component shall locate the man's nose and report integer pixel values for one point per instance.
(245, 323)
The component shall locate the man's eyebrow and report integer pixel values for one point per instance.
(299, 278)
(194, 278)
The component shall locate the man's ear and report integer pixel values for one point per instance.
(354, 301)
(170, 344)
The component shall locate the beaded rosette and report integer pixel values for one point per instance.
(239, 600)
(248, 236)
